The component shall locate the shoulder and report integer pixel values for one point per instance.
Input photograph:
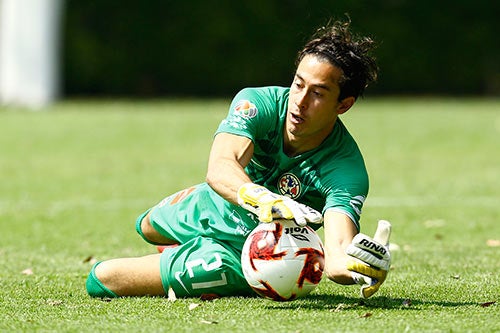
(343, 164)
(261, 102)
(260, 95)
(343, 142)
(255, 112)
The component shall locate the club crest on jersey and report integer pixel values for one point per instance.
(289, 185)
(246, 109)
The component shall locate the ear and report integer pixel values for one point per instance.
(345, 104)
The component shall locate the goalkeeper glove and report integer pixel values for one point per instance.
(268, 205)
(372, 259)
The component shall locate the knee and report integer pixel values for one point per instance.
(145, 229)
(96, 280)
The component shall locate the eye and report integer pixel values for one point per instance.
(297, 83)
(317, 94)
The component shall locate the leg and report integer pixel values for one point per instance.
(132, 276)
(150, 233)
(204, 266)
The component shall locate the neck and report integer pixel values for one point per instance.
(293, 145)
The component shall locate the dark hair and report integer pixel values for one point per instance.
(335, 44)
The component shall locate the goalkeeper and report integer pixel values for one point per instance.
(281, 152)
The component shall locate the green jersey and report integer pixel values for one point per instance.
(332, 176)
(211, 231)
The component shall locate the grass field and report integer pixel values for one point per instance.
(74, 178)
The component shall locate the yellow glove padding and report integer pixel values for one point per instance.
(268, 205)
(371, 259)
(373, 283)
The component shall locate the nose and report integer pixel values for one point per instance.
(301, 100)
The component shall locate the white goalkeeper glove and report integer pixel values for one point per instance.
(371, 259)
(268, 205)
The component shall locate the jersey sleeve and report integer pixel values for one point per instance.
(349, 196)
(251, 114)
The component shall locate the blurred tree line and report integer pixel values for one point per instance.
(214, 48)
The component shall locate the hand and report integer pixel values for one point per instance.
(268, 205)
(372, 259)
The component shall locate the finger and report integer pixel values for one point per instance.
(303, 212)
(369, 286)
(265, 213)
(314, 217)
(369, 290)
(283, 210)
(361, 279)
(383, 232)
(300, 221)
(310, 214)
(367, 257)
(366, 270)
(293, 207)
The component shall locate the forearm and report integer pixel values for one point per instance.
(339, 232)
(336, 265)
(225, 177)
(228, 157)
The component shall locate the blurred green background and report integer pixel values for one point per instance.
(214, 48)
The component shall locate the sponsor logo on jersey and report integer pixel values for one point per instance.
(245, 109)
(289, 185)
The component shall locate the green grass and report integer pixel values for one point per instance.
(74, 178)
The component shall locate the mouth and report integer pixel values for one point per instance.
(296, 119)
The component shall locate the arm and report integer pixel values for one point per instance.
(339, 232)
(349, 254)
(226, 175)
(229, 155)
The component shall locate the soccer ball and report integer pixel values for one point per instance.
(282, 261)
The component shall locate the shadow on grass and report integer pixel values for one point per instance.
(338, 303)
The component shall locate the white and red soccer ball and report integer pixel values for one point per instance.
(282, 261)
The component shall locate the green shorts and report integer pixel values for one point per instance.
(211, 233)
(203, 266)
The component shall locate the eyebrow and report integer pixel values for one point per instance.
(322, 86)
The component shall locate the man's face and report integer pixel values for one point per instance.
(313, 104)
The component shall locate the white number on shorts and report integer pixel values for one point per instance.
(207, 268)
